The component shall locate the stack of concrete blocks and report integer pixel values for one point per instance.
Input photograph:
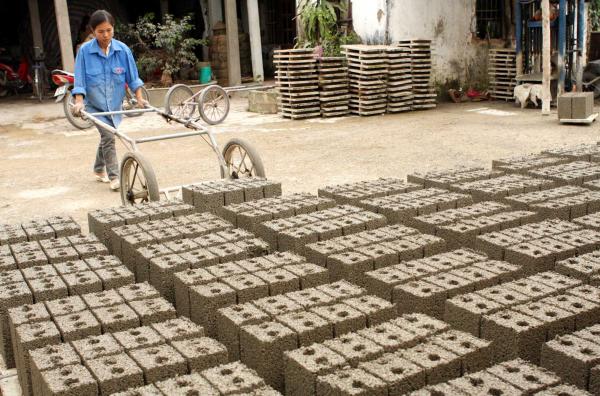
(465, 311)
(102, 221)
(400, 89)
(499, 188)
(573, 173)
(353, 193)
(55, 268)
(294, 233)
(521, 330)
(401, 208)
(585, 267)
(158, 263)
(539, 246)
(566, 202)
(445, 178)
(502, 73)
(575, 358)
(199, 293)
(73, 318)
(334, 91)
(582, 152)
(35, 230)
(424, 285)
(589, 221)
(392, 358)
(350, 257)
(514, 377)
(211, 196)
(525, 163)
(249, 215)
(421, 71)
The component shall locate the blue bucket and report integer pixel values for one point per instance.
(205, 74)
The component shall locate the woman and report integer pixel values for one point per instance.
(102, 68)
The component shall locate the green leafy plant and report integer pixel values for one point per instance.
(332, 43)
(318, 18)
(595, 15)
(166, 46)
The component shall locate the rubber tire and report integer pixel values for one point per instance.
(259, 169)
(144, 95)
(147, 171)
(205, 92)
(171, 92)
(77, 122)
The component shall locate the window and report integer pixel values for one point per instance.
(490, 19)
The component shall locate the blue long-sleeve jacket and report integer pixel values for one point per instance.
(101, 78)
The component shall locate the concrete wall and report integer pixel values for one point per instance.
(449, 23)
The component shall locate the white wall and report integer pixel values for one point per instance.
(449, 23)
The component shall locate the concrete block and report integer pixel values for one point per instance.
(310, 298)
(524, 376)
(186, 385)
(74, 379)
(277, 305)
(99, 262)
(223, 270)
(139, 337)
(178, 329)
(351, 381)
(309, 327)
(584, 312)
(262, 347)
(183, 281)
(343, 318)
(77, 325)
(205, 300)
(47, 358)
(248, 287)
(279, 281)
(474, 353)
(115, 277)
(233, 378)
(153, 310)
(116, 318)
(420, 324)
(96, 346)
(481, 383)
(420, 296)
(439, 364)
(341, 290)
(79, 283)
(159, 362)
(138, 291)
(466, 311)
(303, 366)
(107, 298)
(161, 273)
(390, 337)
(350, 266)
(201, 353)
(115, 373)
(376, 309)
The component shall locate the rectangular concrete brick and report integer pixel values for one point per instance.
(420, 296)
(229, 322)
(343, 318)
(465, 312)
(105, 298)
(376, 309)
(159, 362)
(355, 348)
(116, 318)
(390, 337)
(97, 346)
(77, 325)
(439, 364)
(49, 358)
(341, 290)
(139, 337)
(138, 291)
(351, 381)
(153, 310)
(115, 373)
(524, 376)
(248, 287)
(279, 280)
(233, 378)
(74, 379)
(79, 283)
(201, 353)
(206, 299)
(309, 327)
(474, 353)
(310, 275)
(182, 283)
(178, 329)
(277, 305)
(310, 298)
(401, 375)
(185, 385)
(50, 288)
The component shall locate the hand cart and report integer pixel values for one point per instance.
(138, 181)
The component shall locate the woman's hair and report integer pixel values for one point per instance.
(99, 17)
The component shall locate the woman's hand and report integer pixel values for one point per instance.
(141, 103)
(77, 108)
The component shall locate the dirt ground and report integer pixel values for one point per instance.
(46, 164)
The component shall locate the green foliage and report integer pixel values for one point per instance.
(595, 15)
(318, 18)
(166, 46)
(332, 43)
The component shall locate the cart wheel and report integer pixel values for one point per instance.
(131, 102)
(77, 122)
(214, 105)
(138, 182)
(242, 160)
(179, 102)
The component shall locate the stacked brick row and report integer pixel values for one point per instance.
(298, 83)
(524, 163)
(497, 189)
(515, 377)
(102, 221)
(575, 358)
(539, 246)
(333, 87)
(249, 215)
(424, 95)
(445, 178)
(260, 331)
(393, 358)
(73, 318)
(349, 257)
(199, 293)
(522, 329)
(582, 152)
(211, 196)
(399, 83)
(294, 233)
(54, 268)
(401, 208)
(425, 284)
(585, 267)
(353, 193)
(368, 74)
(34, 230)
(574, 173)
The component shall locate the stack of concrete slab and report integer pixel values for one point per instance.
(349, 257)
(401, 208)
(582, 152)
(34, 230)
(585, 267)
(502, 73)
(445, 178)
(353, 193)
(497, 189)
(333, 87)
(368, 73)
(424, 285)
(211, 196)
(400, 88)
(574, 173)
(424, 95)
(298, 83)
(524, 163)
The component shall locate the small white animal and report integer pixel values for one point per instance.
(521, 94)
(535, 94)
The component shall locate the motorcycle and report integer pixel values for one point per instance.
(591, 77)
(65, 81)
(11, 80)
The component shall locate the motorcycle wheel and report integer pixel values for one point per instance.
(77, 122)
